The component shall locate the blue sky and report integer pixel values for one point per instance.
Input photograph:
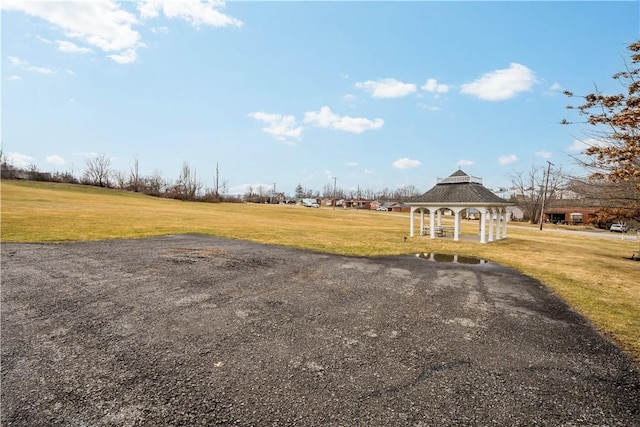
(375, 94)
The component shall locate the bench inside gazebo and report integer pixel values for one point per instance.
(458, 193)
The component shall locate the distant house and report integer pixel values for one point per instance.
(399, 207)
(279, 198)
(389, 206)
(358, 203)
(514, 213)
(572, 215)
(327, 201)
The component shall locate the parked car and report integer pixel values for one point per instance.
(620, 228)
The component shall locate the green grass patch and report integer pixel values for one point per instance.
(591, 273)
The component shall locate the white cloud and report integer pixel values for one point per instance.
(428, 107)
(406, 163)
(19, 160)
(100, 23)
(432, 85)
(328, 174)
(43, 40)
(369, 171)
(577, 145)
(325, 118)
(553, 90)
(501, 84)
(24, 65)
(580, 145)
(67, 46)
(55, 159)
(126, 57)
(282, 127)
(104, 24)
(543, 154)
(509, 158)
(160, 30)
(386, 88)
(464, 162)
(352, 164)
(194, 12)
(14, 78)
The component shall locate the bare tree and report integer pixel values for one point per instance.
(302, 193)
(406, 193)
(613, 199)
(224, 187)
(529, 189)
(187, 186)
(614, 155)
(256, 195)
(368, 194)
(154, 185)
(219, 185)
(97, 171)
(327, 191)
(120, 179)
(216, 183)
(135, 180)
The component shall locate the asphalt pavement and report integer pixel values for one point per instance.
(194, 330)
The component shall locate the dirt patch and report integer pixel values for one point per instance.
(194, 330)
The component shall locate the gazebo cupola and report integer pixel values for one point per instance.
(457, 193)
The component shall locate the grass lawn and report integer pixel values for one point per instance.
(591, 273)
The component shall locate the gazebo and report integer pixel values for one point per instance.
(457, 193)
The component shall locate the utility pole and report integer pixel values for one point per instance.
(334, 193)
(544, 195)
(273, 194)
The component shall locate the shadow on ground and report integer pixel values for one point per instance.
(194, 330)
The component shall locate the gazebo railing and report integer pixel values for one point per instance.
(459, 179)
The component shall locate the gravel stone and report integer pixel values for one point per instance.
(193, 330)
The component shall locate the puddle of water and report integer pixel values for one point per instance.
(455, 259)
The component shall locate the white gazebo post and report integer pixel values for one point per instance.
(498, 223)
(483, 218)
(456, 224)
(411, 222)
(432, 223)
(491, 224)
(422, 221)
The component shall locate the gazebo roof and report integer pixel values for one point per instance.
(459, 188)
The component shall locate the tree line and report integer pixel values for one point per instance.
(98, 172)
(189, 185)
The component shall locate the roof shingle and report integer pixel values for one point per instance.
(459, 192)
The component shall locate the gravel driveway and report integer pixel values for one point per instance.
(194, 330)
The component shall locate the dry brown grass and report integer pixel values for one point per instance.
(591, 273)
